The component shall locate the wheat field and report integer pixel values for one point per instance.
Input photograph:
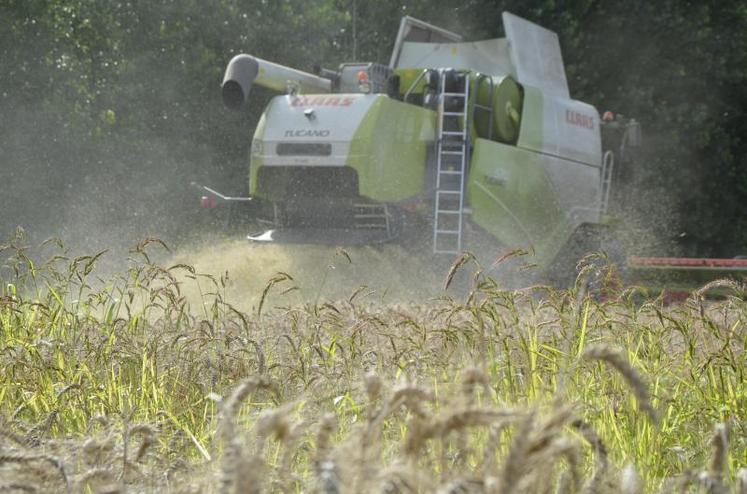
(155, 380)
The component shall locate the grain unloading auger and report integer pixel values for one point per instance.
(479, 131)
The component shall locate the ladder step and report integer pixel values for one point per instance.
(454, 153)
(452, 114)
(452, 133)
(448, 211)
(448, 232)
(449, 172)
(458, 192)
(455, 94)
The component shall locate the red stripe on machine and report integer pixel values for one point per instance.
(693, 262)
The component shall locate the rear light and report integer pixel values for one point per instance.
(208, 202)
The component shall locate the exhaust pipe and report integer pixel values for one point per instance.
(245, 70)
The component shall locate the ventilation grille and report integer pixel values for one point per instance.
(304, 149)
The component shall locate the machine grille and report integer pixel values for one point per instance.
(304, 149)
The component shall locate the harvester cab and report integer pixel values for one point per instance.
(456, 131)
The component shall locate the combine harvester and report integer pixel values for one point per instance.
(449, 131)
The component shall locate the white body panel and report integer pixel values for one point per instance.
(572, 130)
(560, 127)
(535, 53)
(334, 120)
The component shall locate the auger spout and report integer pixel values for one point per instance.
(245, 70)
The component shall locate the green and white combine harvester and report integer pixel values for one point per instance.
(453, 130)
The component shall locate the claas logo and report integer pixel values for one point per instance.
(302, 101)
(576, 118)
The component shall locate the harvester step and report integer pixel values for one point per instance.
(450, 200)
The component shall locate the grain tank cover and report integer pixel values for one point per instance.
(535, 54)
(415, 30)
(489, 56)
(529, 53)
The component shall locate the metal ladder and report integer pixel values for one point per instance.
(452, 157)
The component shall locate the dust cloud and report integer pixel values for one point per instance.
(382, 273)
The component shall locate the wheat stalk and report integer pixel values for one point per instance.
(631, 376)
(234, 462)
(630, 481)
(22, 458)
(741, 482)
(513, 467)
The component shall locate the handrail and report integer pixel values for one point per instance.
(608, 161)
(415, 83)
(220, 196)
